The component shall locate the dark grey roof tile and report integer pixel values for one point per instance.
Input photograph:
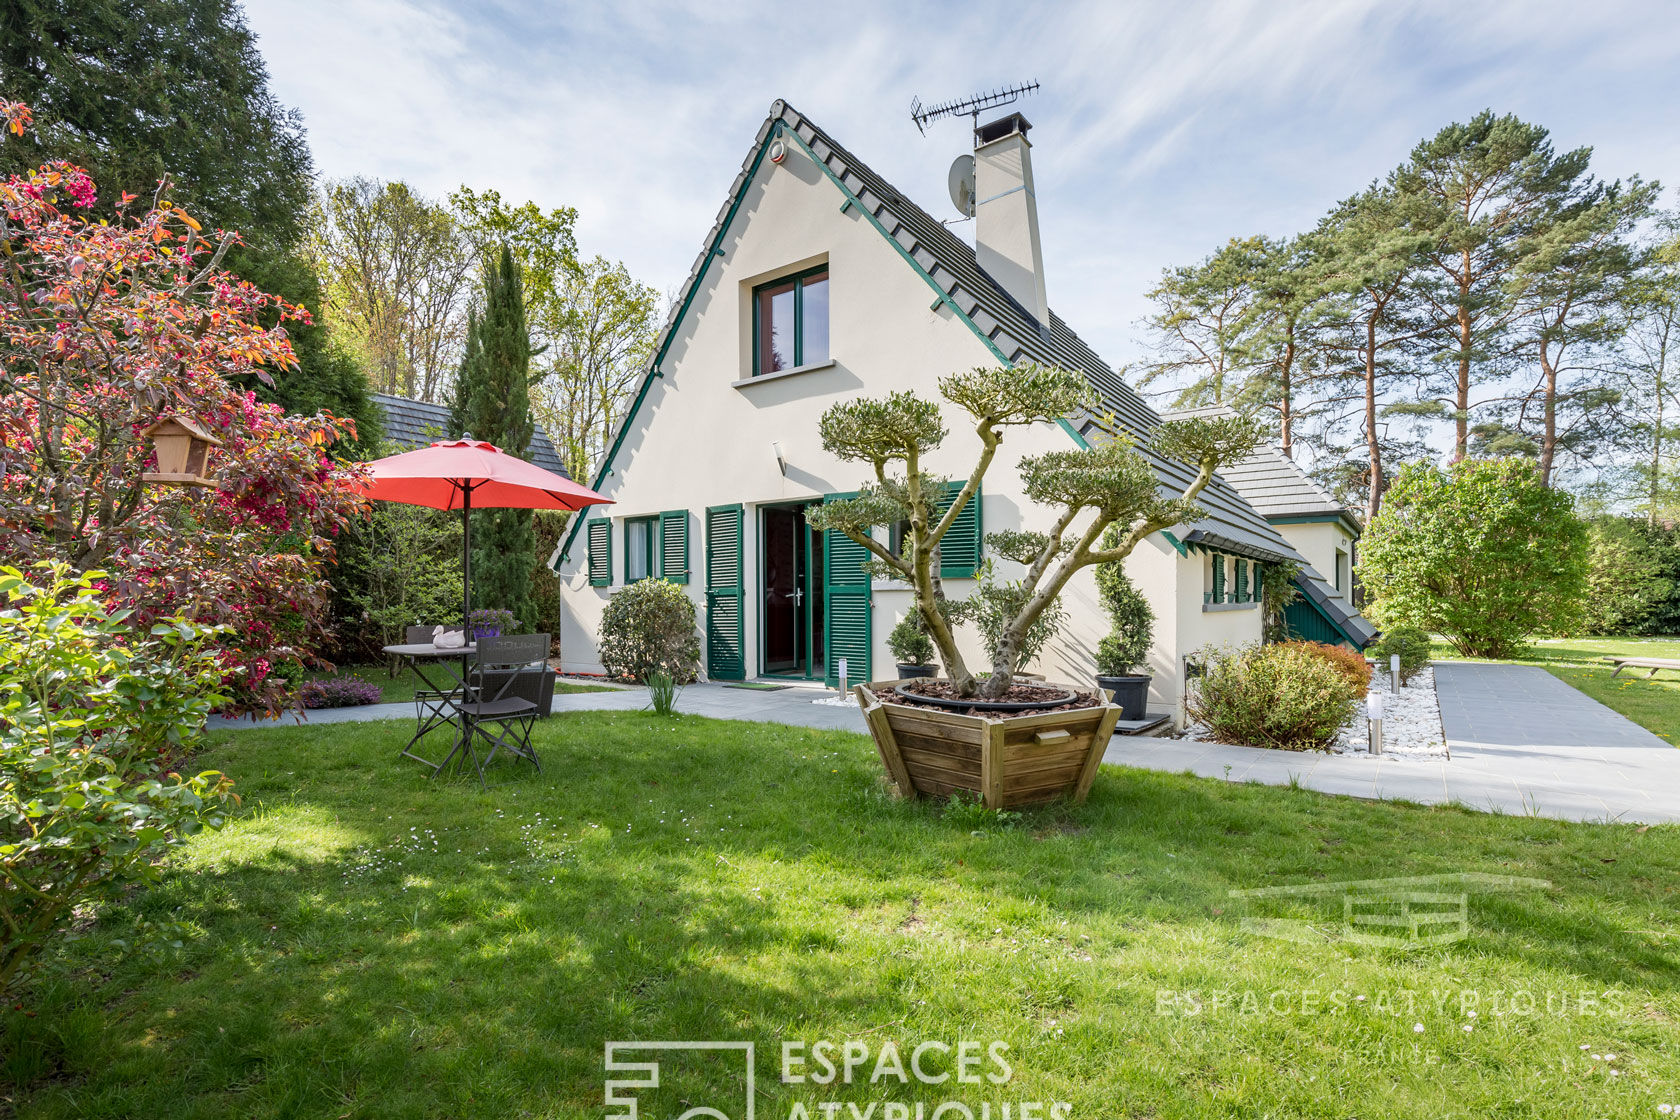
(411, 423)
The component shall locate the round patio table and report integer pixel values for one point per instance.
(444, 702)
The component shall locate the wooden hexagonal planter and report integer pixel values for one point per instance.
(1005, 762)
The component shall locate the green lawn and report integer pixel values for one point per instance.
(364, 943)
(1579, 661)
(402, 687)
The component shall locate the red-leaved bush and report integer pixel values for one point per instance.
(104, 328)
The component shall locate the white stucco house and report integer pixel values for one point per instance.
(819, 282)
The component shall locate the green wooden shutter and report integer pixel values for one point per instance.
(959, 552)
(673, 545)
(1242, 580)
(725, 627)
(600, 553)
(1218, 578)
(846, 606)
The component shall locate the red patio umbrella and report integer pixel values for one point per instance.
(463, 473)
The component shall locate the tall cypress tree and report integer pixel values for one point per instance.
(493, 402)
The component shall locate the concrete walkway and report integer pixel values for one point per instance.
(790, 705)
(1522, 741)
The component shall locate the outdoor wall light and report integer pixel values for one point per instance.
(781, 459)
(183, 449)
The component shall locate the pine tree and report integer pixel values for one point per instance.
(493, 403)
(1477, 191)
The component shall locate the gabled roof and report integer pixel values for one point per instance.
(1273, 483)
(958, 282)
(416, 423)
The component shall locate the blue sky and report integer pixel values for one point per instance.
(1162, 129)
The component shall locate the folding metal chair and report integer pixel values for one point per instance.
(503, 721)
(433, 708)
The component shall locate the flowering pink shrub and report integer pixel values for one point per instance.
(106, 327)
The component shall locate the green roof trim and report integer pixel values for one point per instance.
(1319, 519)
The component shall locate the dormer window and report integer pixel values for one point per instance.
(790, 322)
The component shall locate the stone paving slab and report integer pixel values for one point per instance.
(1523, 742)
(790, 705)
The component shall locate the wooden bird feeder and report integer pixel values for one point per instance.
(182, 449)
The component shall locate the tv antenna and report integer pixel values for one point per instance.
(972, 107)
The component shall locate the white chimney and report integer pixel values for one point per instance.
(1006, 213)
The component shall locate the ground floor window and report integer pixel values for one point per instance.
(638, 548)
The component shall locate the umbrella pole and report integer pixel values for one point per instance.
(466, 556)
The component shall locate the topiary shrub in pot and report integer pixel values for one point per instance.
(913, 649)
(1126, 647)
(648, 628)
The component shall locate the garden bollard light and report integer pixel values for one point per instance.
(1394, 672)
(1374, 713)
(840, 667)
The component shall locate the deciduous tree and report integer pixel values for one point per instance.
(1484, 553)
(398, 272)
(105, 327)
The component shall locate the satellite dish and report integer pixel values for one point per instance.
(961, 183)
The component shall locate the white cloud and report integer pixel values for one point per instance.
(1161, 129)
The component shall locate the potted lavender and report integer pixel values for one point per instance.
(491, 622)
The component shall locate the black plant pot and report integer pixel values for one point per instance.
(1131, 693)
(905, 672)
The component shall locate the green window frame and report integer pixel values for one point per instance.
(673, 545)
(810, 344)
(643, 551)
(600, 553)
(960, 553)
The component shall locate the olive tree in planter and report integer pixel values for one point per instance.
(1124, 648)
(1088, 489)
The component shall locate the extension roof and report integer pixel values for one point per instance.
(1340, 613)
(1273, 483)
(949, 267)
(416, 423)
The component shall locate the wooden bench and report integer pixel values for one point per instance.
(1651, 663)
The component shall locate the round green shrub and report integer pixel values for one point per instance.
(909, 641)
(1272, 696)
(1411, 643)
(649, 627)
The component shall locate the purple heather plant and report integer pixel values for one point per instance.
(340, 692)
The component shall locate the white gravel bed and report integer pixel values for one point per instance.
(1411, 722)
